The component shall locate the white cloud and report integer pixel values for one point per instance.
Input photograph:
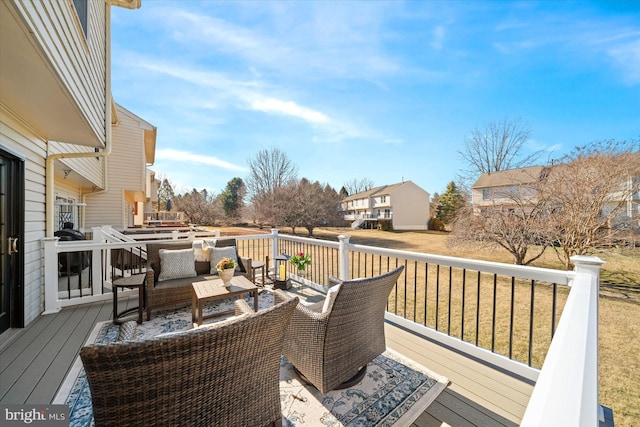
(184, 156)
(271, 105)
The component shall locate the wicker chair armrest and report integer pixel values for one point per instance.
(241, 307)
(246, 263)
(149, 283)
(334, 281)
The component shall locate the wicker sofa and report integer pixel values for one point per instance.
(221, 374)
(331, 342)
(178, 291)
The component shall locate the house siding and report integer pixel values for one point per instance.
(126, 175)
(410, 205)
(17, 138)
(80, 63)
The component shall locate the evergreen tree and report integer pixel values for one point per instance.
(232, 198)
(450, 202)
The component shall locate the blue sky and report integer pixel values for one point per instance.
(381, 90)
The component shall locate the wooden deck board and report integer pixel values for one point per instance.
(47, 387)
(20, 369)
(37, 359)
(494, 394)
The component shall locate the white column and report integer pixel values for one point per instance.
(50, 254)
(274, 249)
(343, 257)
(96, 258)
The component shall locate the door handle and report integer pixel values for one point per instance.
(12, 245)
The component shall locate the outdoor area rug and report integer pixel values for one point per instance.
(394, 392)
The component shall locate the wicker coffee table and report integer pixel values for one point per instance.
(211, 290)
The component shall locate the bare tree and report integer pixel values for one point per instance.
(199, 206)
(497, 146)
(591, 196)
(521, 229)
(269, 171)
(356, 186)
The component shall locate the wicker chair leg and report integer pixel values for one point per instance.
(275, 423)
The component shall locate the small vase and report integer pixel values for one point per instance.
(226, 275)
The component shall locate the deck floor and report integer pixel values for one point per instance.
(34, 362)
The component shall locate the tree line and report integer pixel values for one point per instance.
(272, 195)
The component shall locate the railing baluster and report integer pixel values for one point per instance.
(493, 320)
(450, 290)
(464, 289)
(478, 310)
(426, 290)
(533, 284)
(437, 294)
(553, 309)
(513, 294)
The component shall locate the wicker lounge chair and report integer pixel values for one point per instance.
(331, 349)
(224, 374)
(178, 291)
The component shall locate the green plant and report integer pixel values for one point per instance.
(301, 260)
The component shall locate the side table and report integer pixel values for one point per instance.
(257, 265)
(133, 281)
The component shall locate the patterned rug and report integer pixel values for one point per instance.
(394, 392)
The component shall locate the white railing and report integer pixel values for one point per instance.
(566, 392)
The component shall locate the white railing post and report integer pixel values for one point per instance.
(274, 248)
(99, 236)
(566, 392)
(50, 254)
(343, 257)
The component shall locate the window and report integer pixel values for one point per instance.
(65, 208)
(486, 194)
(82, 9)
(383, 199)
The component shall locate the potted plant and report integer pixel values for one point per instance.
(226, 268)
(301, 260)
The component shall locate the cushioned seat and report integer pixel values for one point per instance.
(177, 290)
(331, 342)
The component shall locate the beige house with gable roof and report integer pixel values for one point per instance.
(403, 206)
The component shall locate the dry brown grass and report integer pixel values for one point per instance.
(619, 323)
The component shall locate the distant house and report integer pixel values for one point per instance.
(404, 206)
(56, 118)
(121, 203)
(497, 190)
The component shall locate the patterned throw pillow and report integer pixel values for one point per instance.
(216, 254)
(176, 264)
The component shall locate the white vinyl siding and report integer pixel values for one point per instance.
(18, 139)
(80, 63)
(126, 175)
